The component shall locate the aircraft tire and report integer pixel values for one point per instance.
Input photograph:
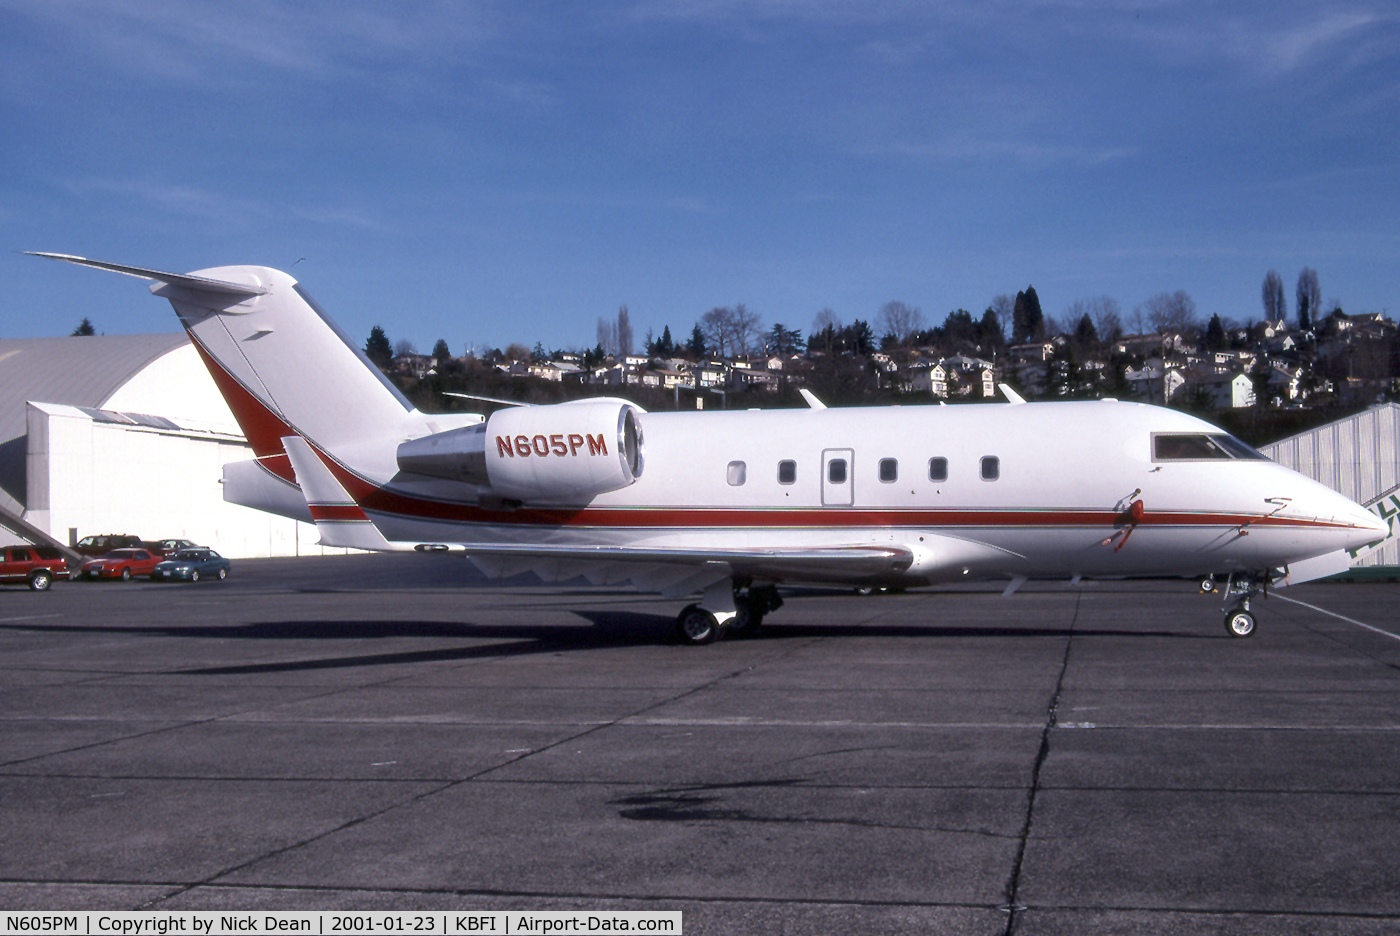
(747, 620)
(1239, 623)
(695, 626)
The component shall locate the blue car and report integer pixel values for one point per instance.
(191, 565)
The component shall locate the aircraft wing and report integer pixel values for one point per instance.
(679, 571)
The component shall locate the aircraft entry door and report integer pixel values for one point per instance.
(838, 486)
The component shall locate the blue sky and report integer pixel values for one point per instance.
(507, 172)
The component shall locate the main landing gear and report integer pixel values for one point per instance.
(726, 609)
(1239, 620)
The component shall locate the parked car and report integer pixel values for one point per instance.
(190, 565)
(122, 564)
(168, 547)
(101, 545)
(36, 565)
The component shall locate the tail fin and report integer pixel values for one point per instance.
(283, 366)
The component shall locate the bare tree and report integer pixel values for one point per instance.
(825, 328)
(901, 320)
(1107, 317)
(1309, 298)
(607, 335)
(517, 352)
(1275, 305)
(624, 332)
(717, 325)
(404, 347)
(1171, 312)
(746, 328)
(1004, 307)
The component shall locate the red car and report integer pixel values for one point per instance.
(122, 564)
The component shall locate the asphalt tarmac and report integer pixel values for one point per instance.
(376, 732)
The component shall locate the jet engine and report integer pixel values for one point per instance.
(566, 452)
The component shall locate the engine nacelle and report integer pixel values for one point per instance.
(565, 452)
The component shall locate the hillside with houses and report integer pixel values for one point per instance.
(1335, 362)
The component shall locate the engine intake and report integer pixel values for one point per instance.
(566, 452)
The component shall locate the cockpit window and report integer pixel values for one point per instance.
(1201, 446)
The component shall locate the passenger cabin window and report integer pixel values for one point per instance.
(889, 470)
(1201, 446)
(991, 468)
(737, 473)
(787, 471)
(836, 471)
(938, 469)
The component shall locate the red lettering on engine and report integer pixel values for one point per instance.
(541, 445)
(504, 446)
(575, 440)
(522, 445)
(556, 443)
(597, 445)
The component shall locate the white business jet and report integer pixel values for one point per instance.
(729, 505)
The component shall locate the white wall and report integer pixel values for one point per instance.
(111, 478)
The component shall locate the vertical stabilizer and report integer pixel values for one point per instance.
(283, 366)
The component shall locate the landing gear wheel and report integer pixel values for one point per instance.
(747, 618)
(1239, 623)
(1207, 586)
(695, 625)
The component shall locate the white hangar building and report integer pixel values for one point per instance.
(126, 434)
(1358, 456)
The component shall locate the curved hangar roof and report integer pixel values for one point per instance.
(156, 374)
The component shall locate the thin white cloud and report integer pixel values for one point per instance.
(189, 201)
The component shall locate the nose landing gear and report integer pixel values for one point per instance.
(1239, 620)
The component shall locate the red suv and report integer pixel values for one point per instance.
(37, 565)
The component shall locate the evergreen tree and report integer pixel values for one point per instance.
(84, 329)
(989, 334)
(1216, 339)
(696, 347)
(665, 345)
(1027, 319)
(441, 351)
(378, 349)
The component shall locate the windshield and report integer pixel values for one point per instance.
(1201, 446)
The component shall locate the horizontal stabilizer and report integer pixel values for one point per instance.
(194, 283)
(339, 520)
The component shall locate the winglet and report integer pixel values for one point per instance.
(1012, 396)
(811, 399)
(195, 283)
(339, 520)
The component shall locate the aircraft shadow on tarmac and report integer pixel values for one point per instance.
(606, 629)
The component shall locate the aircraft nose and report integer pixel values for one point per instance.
(1366, 527)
